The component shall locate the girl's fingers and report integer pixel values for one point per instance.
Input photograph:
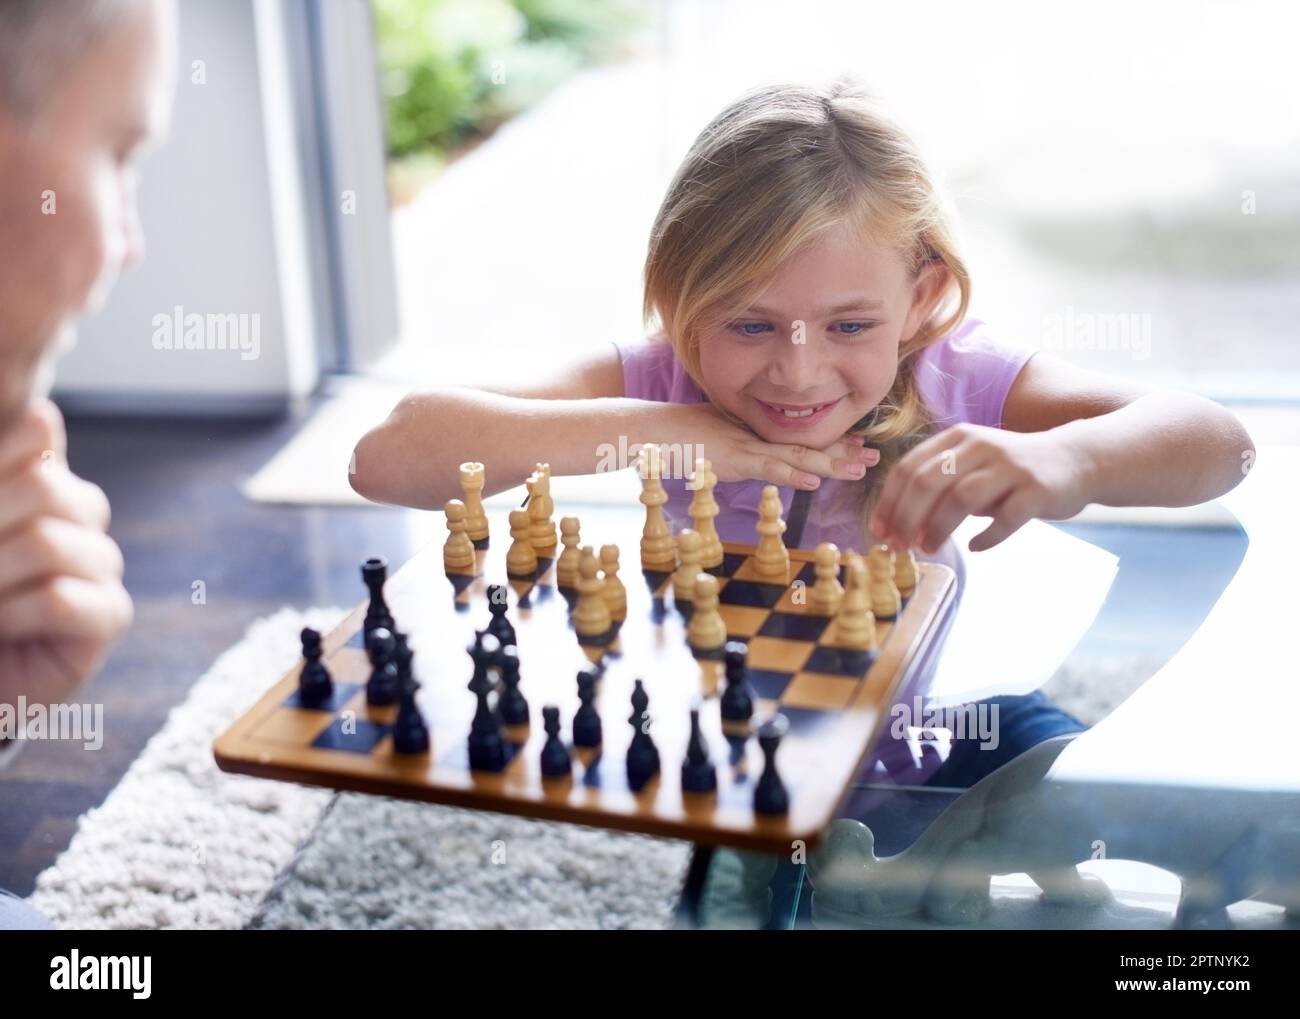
(820, 463)
(974, 495)
(777, 472)
(1014, 512)
(897, 491)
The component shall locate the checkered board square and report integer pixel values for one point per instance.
(835, 699)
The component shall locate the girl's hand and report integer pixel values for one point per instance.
(737, 454)
(973, 470)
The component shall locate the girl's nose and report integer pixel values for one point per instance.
(797, 367)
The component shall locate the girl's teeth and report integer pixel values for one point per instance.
(798, 413)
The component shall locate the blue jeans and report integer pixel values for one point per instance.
(897, 819)
(16, 915)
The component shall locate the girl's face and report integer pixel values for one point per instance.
(818, 349)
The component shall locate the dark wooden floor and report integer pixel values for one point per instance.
(179, 517)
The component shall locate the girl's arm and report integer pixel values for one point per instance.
(1138, 447)
(1070, 437)
(571, 422)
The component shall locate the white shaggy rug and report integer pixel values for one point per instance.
(382, 863)
(178, 843)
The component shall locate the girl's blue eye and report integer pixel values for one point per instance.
(750, 328)
(854, 328)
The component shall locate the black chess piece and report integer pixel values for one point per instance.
(385, 682)
(556, 762)
(642, 754)
(484, 653)
(586, 723)
(698, 772)
(410, 734)
(401, 657)
(374, 571)
(770, 795)
(315, 687)
(737, 699)
(511, 704)
(500, 626)
(487, 745)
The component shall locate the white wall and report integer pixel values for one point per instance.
(224, 219)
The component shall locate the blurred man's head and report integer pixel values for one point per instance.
(85, 85)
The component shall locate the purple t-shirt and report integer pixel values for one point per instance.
(963, 377)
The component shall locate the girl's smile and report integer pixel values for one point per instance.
(795, 416)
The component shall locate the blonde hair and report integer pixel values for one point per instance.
(776, 168)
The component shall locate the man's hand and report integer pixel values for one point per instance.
(62, 602)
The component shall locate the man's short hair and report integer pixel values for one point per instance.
(40, 40)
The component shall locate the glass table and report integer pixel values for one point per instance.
(1194, 773)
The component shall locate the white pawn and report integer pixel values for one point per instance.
(905, 572)
(826, 593)
(688, 554)
(521, 559)
(458, 552)
(855, 626)
(615, 593)
(771, 558)
(566, 567)
(706, 630)
(885, 599)
(591, 614)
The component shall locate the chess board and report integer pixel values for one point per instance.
(837, 701)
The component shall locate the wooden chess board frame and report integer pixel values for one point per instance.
(835, 717)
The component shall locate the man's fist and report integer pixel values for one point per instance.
(62, 602)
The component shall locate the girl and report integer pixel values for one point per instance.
(811, 303)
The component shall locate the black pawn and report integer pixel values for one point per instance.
(642, 754)
(586, 723)
(556, 762)
(385, 682)
(410, 734)
(315, 686)
(484, 652)
(737, 699)
(698, 773)
(374, 571)
(511, 704)
(770, 796)
(487, 745)
(500, 626)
